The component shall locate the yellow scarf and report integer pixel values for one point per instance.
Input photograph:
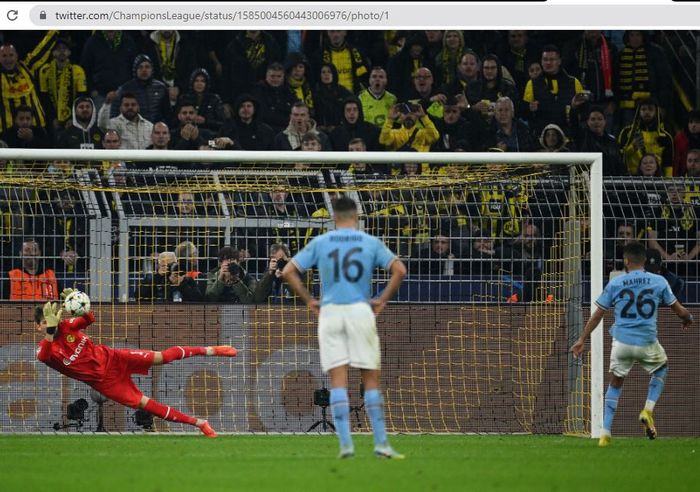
(60, 89)
(167, 58)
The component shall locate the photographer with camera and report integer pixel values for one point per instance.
(230, 282)
(270, 285)
(181, 286)
(169, 282)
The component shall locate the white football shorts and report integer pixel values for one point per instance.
(347, 334)
(622, 357)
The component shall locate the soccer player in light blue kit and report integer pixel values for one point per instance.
(636, 297)
(347, 332)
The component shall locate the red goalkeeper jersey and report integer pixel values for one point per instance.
(72, 352)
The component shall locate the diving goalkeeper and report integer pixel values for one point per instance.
(68, 350)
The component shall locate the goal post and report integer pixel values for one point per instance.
(114, 264)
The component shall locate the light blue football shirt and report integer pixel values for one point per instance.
(345, 259)
(636, 297)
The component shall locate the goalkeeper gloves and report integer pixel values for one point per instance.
(52, 315)
(66, 292)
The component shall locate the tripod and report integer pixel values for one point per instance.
(100, 399)
(322, 398)
(58, 426)
(356, 410)
(324, 422)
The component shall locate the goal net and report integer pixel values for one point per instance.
(503, 253)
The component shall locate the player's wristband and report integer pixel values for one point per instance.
(689, 318)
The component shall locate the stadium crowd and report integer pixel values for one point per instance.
(418, 91)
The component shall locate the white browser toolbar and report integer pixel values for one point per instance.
(549, 14)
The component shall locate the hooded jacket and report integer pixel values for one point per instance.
(657, 141)
(152, 94)
(79, 137)
(480, 91)
(329, 99)
(255, 135)
(402, 67)
(343, 134)
(208, 104)
(561, 144)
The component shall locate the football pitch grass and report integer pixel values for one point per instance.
(142, 463)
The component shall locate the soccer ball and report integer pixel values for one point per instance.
(77, 303)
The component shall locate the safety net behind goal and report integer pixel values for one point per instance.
(476, 340)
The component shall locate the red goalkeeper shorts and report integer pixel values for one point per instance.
(117, 384)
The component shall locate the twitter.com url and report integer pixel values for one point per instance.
(116, 16)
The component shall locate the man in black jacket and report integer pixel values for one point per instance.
(23, 135)
(106, 59)
(276, 99)
(188, 136)
(553, 94)
(152, 94)
(354, 126)
(246, 126)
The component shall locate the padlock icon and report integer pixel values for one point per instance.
(42, 15)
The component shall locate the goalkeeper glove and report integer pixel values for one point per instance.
(52, 315)
(66, 292)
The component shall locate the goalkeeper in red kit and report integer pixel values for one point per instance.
(68, 350)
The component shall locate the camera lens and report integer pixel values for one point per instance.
(234, 269)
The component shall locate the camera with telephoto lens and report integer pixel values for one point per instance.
(235, 269)
(281, 264)
(179, 267)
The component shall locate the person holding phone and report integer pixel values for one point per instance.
(408, 128)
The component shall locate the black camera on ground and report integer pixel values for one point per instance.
(281, 264)
(322, 397)
(143, 419)
(76, 410)
(235, 269)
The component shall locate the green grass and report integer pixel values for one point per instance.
(143, 463)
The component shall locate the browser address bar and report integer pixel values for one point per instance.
(357, 16)
(196, 15)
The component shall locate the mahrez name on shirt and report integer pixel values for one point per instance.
(636, 281)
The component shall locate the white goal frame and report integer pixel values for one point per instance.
(594, 160)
